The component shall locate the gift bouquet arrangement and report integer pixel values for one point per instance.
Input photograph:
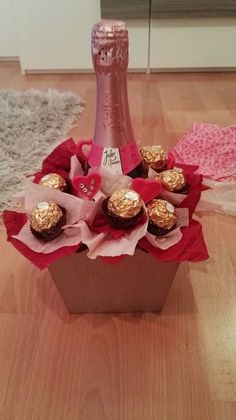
(64, 211)
(114, 198)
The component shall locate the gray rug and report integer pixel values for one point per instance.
(32, 123)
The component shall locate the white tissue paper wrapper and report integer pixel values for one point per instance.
(19, 198)
(111, 182)
(173, 237)
(103, 244)
(76, 210)
(221, 198)
(81, 230)
(75, 168)
(173, 198)
(125, 245)
(62, 240)
(18, 201)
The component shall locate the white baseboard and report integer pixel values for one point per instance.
(193, 70)
(132, 70)
(73, 71)
(56, 71)
(11, 58)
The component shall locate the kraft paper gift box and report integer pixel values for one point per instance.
(137, 283)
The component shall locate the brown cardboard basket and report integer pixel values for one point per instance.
(138, 283)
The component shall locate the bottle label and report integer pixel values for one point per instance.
(111, 159)
(119, 160)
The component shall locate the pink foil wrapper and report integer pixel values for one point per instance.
(113, 129)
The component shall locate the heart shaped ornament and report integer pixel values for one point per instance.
(148, 189)
(87, 186)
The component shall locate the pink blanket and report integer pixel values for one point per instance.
(212, 148)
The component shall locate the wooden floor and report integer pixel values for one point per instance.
(179, 365)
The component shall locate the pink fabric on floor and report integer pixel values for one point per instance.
(212, 148)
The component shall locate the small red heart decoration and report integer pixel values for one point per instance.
(146, 188)
(87, 186)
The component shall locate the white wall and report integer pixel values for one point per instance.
(55, 34)
(189, 43)
(138, 43)
(8, 37)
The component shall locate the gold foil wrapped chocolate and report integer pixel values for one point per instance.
(153, 157)
(53, 181)
(125, 203)
(161, 213)
(172, 179)
(44, 216)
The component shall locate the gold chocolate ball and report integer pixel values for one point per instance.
(53, 181)
(125, 203)
(153, 157)
(161, 213)
(172, 180)
(45, 215)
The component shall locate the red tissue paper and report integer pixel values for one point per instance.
(190, 248)
(58, 161)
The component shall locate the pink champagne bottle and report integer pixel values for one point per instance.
(113, 145)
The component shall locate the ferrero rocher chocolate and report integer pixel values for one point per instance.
(172, 180)
(45, 216)
(153, 157)
(53, 181)
(161, 214)
(124, 203)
